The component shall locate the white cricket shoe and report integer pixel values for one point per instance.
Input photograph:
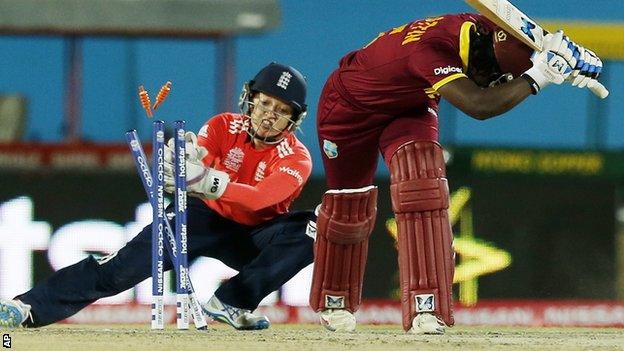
(13, 313)
(427, 323)
(238, 318)
(337, 320)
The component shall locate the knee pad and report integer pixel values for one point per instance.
(420, 199)
(345, 221)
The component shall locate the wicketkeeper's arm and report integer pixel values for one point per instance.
(269, 192)
(286, 179)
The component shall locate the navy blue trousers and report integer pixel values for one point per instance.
(266, 256)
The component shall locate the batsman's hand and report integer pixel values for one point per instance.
(588, 67)
(203, 182)
(551, 66)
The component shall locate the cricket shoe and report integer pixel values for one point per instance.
(13, 313)
(239, 318)
(337, 320)
(427, 323)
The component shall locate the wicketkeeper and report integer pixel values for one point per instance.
(243, 172)
(384, 98)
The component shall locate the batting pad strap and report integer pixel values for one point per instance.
(346, 233)
(348, 216)
(419, 195)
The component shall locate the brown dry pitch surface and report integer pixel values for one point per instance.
(309, 337)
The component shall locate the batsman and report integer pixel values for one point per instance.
(383, 98)
(243, 171)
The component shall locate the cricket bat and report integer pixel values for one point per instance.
(521, 26)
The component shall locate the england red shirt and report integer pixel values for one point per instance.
(263, 183)
(403, 68)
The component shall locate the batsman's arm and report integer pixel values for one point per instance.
(483, 103)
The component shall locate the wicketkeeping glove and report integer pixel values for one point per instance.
(193, 150)
(204, 182)
(201, 181)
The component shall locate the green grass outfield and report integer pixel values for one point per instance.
(309, 337)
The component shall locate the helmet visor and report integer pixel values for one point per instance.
(270, 118)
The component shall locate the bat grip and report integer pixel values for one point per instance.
(598, 89)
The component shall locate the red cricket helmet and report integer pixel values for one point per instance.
(512, 55)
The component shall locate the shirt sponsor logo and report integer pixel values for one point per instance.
(234, 159)
(446, 70)
(293, 173)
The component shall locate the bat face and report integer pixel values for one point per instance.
(512, 20)
(527, 28)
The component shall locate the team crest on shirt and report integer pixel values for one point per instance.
(234, 159)
(330, 149)
(260, 171)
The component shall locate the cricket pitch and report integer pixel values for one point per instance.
(309, 337)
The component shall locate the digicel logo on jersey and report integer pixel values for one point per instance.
(446, 70)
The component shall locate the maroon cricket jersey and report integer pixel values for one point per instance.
(402, 68)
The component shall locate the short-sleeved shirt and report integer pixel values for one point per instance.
(403, 67)
(263, 183)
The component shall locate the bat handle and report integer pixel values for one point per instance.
(598, 89)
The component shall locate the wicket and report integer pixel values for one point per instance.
(154, 189)
(180, 224)
(158, 223)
